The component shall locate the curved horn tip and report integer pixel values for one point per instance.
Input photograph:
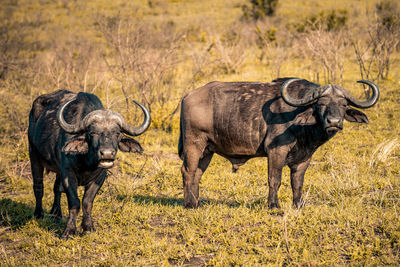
(135, 131)
(292, 79)
(367, 82)
(69, 128)
(286, 83)
(144, 109)
(373, 99)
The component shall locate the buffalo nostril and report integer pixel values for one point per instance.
(107, 153)
(332, 120)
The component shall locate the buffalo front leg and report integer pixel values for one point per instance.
(70, 186)
(37, 175)
(194, 165)
(57, 190)
(297, 172)
(275, 165)
(87, 202)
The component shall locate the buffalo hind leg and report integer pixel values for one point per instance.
(57, 189)
(297, 172)
(192, 169)
(37, 175)
(87, 202)
(203, 165)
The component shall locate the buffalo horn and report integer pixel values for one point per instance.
(134, 130)
(367, 103)
(307, 100)
(69, 128)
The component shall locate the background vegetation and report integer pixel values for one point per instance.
(156, 51)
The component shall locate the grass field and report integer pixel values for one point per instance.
(157, 51)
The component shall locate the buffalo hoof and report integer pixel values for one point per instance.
(299, 204)
(87, 231)
(38, 214)
(56, 214)
(56, 218)
(273, 206)
(191, 205)
(68, 232)
(87, 228)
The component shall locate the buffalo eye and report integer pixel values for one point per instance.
(342, 103)
(323, 102)
(94, 135)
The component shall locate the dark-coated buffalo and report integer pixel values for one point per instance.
(75, 137)
(285, 120)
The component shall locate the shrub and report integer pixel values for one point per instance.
(374, 55)
(334, 20)
(259, 9)
(388, 14)
(141, 57)
(229, 53)
(326, 51)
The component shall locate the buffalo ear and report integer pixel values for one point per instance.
(76, 146)
(305, 118)
(127, 144)
(354, 115)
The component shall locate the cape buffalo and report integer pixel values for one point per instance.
(75, 137)
(285, 120)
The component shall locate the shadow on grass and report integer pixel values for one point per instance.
(175, 202)
(165, 201)
(15, 215)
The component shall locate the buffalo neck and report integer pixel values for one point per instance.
(310, 137)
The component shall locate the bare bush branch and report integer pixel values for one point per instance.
(326, 50)
(228, 51)
(142, 59)
(375, 52)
